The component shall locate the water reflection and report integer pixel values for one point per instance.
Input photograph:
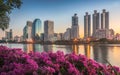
(32, 47)
(100, 54)
(67, 49)
(87, 50)
(47, 48)
(78, 50)
(75, 49)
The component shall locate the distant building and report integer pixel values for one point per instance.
(3, 38)
(17, 38)
(101, 33)
(21, 39)
(48, 30)
(42, 36)
(27, 31)
(9, 35)
(61, 36)
(75, 27)
(104, 33)
(105, 20)
(117, 36)
(36, 29)
(87, 25)
(96, 22)
(111, 34)
(57, 36)
(67, 34)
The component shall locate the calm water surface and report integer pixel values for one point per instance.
(100, 53)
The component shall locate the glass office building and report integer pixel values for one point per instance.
(36, 29)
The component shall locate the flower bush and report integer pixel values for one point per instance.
(16, 62)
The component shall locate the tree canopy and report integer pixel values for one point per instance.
(6, 7)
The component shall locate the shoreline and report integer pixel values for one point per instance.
(63, 43)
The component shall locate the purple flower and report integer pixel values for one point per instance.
(16, 62)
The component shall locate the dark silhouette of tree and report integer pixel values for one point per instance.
(6, 7)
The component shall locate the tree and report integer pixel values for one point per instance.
(103, 40)
(6, 6)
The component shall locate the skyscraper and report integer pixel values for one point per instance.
(27, 31)
(36, 29)
(9, 35)
(87, 25)
(75, 27)
(105, 20)
(96, 21)
(48, 30)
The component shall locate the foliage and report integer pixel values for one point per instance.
(6, 6)
(17, 62)
(103, 40)
(4, 22)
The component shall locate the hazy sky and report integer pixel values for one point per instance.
(61, 11)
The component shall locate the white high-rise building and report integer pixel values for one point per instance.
(104, 33)
(75, 27)
(105, 20)
(96, 22)
(48, 30)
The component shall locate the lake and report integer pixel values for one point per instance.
(99, 52)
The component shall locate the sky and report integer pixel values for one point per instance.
(61, 12)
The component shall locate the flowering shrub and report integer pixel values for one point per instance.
(17, 62)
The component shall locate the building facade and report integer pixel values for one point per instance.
(104, 20)
(87, 25)
(27, 31)
(75, 27)
(48, 30)
(67, 34)
(61, 36)
(96, 22)
(117, 37)
(104, 33)
(9, 35)
(36, 29)
(17, 39)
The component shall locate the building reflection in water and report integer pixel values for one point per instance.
(47, 48)
(68, 49)
(75, 49)
(87, 50)
(32, 47)
(100, 54)
(28, 47)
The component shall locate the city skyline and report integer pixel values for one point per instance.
(60, 11)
